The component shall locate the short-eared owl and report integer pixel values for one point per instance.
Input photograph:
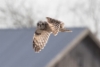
(43, 31)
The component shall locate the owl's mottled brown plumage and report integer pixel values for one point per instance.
(43, 31)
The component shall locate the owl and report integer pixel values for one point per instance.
(43, 31)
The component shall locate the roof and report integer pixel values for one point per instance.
(16, 47)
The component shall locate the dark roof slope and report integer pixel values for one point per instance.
(16, 47)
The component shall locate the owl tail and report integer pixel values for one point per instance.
(65, 30)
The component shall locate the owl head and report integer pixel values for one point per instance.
(41, 25)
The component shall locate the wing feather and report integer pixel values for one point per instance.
(54, 25)
(39, 41)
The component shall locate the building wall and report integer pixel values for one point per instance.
(85, 54)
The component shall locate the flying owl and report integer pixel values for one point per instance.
(43, 31)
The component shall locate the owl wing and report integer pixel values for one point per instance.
(40, 39)
(54, 25)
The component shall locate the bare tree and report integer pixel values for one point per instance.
(92, 12)
(94, 9)
(20, 16)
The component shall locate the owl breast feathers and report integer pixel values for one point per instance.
(43, 31)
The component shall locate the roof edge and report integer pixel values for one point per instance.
(68, 48)
(94, 38)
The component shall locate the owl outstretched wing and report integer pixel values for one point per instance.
(40, 39)
(54, 25)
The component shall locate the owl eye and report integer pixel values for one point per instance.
(42, 23)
